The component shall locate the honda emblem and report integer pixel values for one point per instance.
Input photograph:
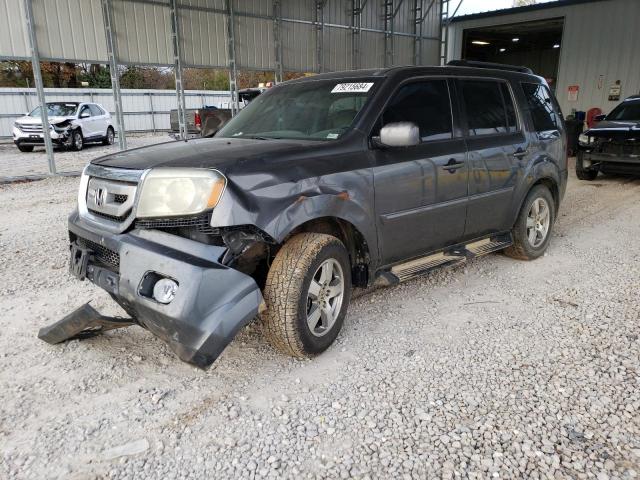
(99, 196)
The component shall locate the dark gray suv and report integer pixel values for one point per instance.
(321, 184)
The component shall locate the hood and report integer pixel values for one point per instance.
(608, 126)
(27, 120)
(219, 153)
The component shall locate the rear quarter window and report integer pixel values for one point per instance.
(540, 104)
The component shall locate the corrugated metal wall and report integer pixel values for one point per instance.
(70, 29)
(73, 30)
(144, 110)
(600, 39)
(143, 33)
(14, 39)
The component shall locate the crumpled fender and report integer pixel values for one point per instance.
(277, 207)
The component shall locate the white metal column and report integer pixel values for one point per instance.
(320, 35)
(177, 69)
(107, 18)
(277, 37)
(231, 44)
(37, 75)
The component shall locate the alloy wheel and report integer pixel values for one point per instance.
(324, 298)
(538, 222)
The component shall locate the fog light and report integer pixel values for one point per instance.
(165, 290)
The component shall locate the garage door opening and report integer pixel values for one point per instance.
(532, 44)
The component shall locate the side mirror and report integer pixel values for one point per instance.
(400, 134)
(85, 115)
(599, 118)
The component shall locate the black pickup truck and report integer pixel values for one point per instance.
(613, 144)
(319, 185)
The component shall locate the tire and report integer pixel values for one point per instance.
(523, 247)
(289, 300)
(108, 140)
(583, 173)
(25, 148)
(77, 141)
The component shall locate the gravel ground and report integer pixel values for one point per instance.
(14, 163)
(497, 369)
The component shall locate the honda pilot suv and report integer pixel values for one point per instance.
(318, 186)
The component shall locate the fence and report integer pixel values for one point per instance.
(144, 110)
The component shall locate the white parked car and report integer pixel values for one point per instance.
(72, 124)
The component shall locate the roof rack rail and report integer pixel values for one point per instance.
(496, 66)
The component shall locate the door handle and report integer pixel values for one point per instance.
(452, 165)
(549, 135)
(520, 153)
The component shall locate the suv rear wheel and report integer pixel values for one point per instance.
(532, 230)
(307, 293)
(581, 172)
(108, 140)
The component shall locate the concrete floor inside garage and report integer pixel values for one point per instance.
(499, 368)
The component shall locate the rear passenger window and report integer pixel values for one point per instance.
(95, 110)
(540, 105)
(489, 107)
(427, 105)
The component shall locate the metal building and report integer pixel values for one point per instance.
(267, 35)
(596, 59)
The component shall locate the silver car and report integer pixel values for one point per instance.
(72, 125)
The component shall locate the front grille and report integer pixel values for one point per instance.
(101, 253)
(201, 222)
(620, 148)
(31, 128)
(110, 199)
(113, 218)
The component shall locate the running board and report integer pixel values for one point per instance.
(447, 258)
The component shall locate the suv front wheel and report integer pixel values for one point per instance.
(77, 142)
(307, 293)
(584, 173)
(532, 230)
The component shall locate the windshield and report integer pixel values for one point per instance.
(629, 110)
(57, 110)
(314, 110)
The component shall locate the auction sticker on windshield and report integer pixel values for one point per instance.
(352, 87)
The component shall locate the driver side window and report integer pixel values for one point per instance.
(426, 104)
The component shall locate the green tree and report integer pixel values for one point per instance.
(97, 76)
(132, 77)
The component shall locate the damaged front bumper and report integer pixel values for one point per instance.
(34, 139)
(212, 301)
(623, 163)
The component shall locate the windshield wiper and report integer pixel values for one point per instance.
(254, 137)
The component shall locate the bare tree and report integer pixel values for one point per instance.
(522, 3)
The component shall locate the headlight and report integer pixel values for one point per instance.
(17, 125)
(168, 192)
(60, 129)
(584, 139)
